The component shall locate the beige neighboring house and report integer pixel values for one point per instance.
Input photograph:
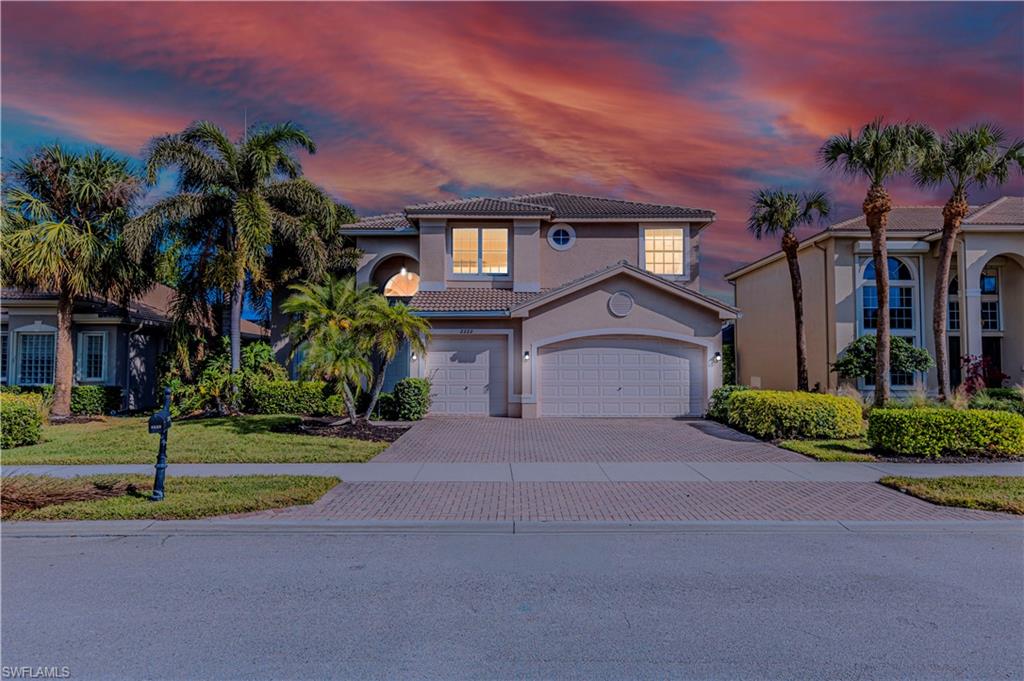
(985, 298)
(552, 304)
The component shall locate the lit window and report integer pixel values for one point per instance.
(36, 357)
(479, 250)
(4, 354)
(990, 282)
(92, 356)
(663, 250)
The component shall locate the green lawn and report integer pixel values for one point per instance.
(239, 439)
(988, 493)
(186, 497)
(855, 449)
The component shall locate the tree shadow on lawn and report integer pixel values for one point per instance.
(245, 425)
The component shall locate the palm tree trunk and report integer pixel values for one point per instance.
(378, 385)
(237, 296)
(877, 205)
(64, 370)
(350, 403)
(952, 214)
(789, 247)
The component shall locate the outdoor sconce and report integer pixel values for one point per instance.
(717, 358)
(526, 356)
(414, 356)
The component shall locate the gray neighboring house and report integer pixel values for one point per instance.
(113, 345)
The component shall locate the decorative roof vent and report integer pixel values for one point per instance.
(620, 303)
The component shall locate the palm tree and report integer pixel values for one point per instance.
(62, 231)
(333, 355)
(774, 211)
(386, 328)
(235, 202)
(964, 159)
(879, 152)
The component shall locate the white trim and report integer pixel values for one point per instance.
(642, 259)
(420, 362)
(568, 229)
(894, 246)
(708, 345)
(81, 358)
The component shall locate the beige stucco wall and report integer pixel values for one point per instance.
(765, 333)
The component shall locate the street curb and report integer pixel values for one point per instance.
(129, 528)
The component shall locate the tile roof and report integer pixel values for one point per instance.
(470, 300)
(1008, 210)
(901, 219)
(154, 306)
(548, 205)
(393, 221)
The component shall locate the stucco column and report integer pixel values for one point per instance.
(433, 254)
(973, 261)
(526, 255)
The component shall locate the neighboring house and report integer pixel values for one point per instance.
(551, 304)
(986, 296)
(113, 345)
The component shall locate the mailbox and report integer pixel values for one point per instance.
(159, 424)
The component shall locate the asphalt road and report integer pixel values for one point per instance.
(765, 605)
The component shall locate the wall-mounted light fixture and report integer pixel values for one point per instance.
(717, 358)
(526, 356)
(414, 356)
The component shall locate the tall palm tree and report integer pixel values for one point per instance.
(386, 328)
(333, 355)
(964, 159)
(879, 152)
(63, 222)
(235, 202)
(775, 211)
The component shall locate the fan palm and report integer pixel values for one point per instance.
(772, 212)
(964, 159)
(333, 355)
(386, 328)
(63, 222)
(879, 153)
(235, 202)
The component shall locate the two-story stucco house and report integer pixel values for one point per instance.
(551, 304)
(985, 296)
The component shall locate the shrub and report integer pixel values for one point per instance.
(776, 414)
(940, 432)
(335, 405)
(984, 400)
(858, 358)
(718, 410)
(21, 419)
(90, 400)
(288, 397)
(387, 407)
(412, 398)
(1014, 394)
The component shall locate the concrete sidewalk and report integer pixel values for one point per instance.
(703, 471)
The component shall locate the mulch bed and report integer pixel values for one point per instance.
(329, 427)
(68, 420)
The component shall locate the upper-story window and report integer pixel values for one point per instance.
(561, 237)
(953, 306)
(902, 316)
(990, 307)
(480, 250)
(663, 250)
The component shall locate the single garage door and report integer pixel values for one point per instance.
(622, 376)
(468, 375)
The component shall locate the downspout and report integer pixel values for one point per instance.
(829, 331)
(735, 335)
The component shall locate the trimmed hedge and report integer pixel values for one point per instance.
(86, 400)
(412, 398)
(21, 419)
(718, 410)
(773, 414)
(936, 432)
(288, 397)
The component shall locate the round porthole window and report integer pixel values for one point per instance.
(620, 303)
(561, 237)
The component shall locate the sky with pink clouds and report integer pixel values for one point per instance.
(692, 104)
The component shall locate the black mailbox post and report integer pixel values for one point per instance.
(160, 423)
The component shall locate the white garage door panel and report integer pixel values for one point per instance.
(467, 376)
(621, 376)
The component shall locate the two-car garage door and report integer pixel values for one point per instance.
(621, 376)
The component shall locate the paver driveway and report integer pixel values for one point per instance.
(508, 440)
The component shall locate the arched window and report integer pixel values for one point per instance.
(902, 312)
(405, 284)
